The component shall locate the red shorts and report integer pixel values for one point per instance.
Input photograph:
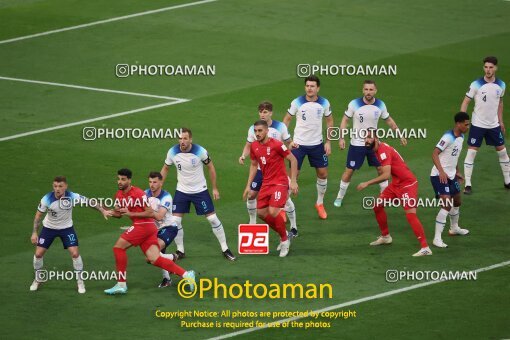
(273, 196)
(407, 194)
(143, 235)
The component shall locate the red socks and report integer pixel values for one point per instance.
(169, 266)
(382, 220)
(121, 263)
(277, 224)
(417, 229)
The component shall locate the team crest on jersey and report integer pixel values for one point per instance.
(284, 148)
(383, 156)
(498, 92)
(268, 150)
(376, 114)
(274, 135)
(194, 161)
(319, 112)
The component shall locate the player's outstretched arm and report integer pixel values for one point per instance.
(212, 176)
(465, 104)
(293, 173)
(443, 177)
(385, 175)
(391, 123)
(251, 176)
(35, 231)
(500, 116)
(327, 144)
(287, 119)
(246, 151)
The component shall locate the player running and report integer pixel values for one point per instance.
(189, 159)
(487, 120)
(269, 154)
(309, 111)
(161, 203)
(58, 222)
(131, 201)
(278, 131)
(403, 187)
(445, 177)
(365, 113)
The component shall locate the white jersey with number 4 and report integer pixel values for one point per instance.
(364, 116)
(450, 147)
(487, 97)
(190, 169)
(163, 200)
(308, 131)
(59, 211)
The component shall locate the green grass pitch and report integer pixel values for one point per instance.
(437, 46)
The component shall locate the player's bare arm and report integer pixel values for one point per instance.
(35, 230)
(465, 104)
(212, 176)
(443, 177)
(164, 171)
(327, 144)
(500, 116)
(251, 176)
(293, 173)
(384, 176)
(343, 126)
(246, 151)
(391, 123)
(459, 175)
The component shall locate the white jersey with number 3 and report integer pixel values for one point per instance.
(364, 117)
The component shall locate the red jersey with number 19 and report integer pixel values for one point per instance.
(270, 157)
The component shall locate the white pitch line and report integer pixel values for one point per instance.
(94, 23)
(354, 302)
(89, 88)
(124, 113)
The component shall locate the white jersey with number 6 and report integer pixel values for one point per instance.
(308, 131)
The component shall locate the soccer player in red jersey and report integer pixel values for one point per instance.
(132, 201)
(403, 187)
(270, 154)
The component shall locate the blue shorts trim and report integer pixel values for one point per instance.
(202, 202)
(492, 136)
(167, 234)
(257, 181)
(316, 156)
(356, 156)
(452, 188)
(67, 235)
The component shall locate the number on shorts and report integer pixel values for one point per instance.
(277, 195)
(72, 237)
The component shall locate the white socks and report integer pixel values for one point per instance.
(343, 189)
(290, 209)
(383, 185)
(179, 239)
(454, 217)
(468, 165)
(504, 162)
(440, 223)
(218, 231)
(251, 205)
(322, 185)
(38, 263)
(165, 273)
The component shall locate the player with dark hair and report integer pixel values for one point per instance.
(270, 155)
(445, 177)
(403, 187)
(487, 120)
(309, 110)
(132, 202)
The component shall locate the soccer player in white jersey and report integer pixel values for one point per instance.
(161, 203)
(309, 110)
(486, 121)
(445, 177)
(189, 160)
(365, 113)
(58, 222)
(278, 131)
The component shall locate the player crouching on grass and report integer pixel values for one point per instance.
(132, 202)
(58, 222)
(270, 155)
(403, 187)
(445, 178)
